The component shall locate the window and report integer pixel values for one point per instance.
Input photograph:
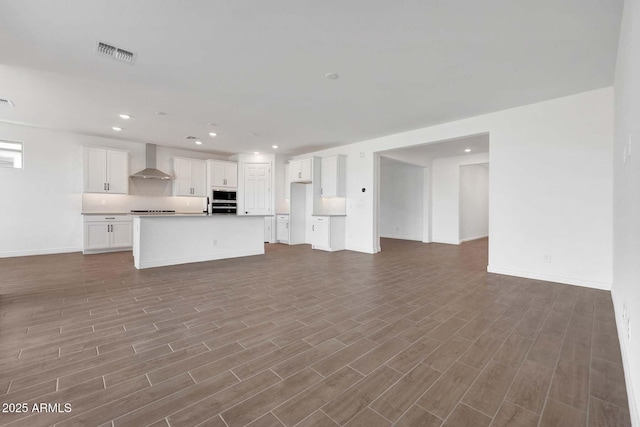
(10, 154)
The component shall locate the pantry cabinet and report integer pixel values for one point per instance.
(105, 171)
(107, 233)
(190, 177)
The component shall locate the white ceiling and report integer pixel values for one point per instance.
(258, 66)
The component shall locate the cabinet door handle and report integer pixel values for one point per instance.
(105, 186)
(108, 186)
(321, 191)
(313, 227)
(287, 225)
(225, 181)
(299, 175)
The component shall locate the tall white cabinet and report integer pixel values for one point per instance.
(106, 171)
(190, 177)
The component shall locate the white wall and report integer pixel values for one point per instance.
(445, 200)
(401, 200)
(41, 206)
(550, 189)
(626, 200)
(474, 201)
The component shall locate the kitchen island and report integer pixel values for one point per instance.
(160, 240)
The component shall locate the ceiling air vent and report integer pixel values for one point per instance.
(6, 102)
(116, 53)
(191, 137)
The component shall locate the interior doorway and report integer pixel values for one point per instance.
(436, 192)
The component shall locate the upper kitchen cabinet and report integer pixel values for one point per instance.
(222, 174)
(333, 176)
(106, 171)
(301, 170)
(190, 177)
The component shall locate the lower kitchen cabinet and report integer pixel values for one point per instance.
(328, 233)
(282, 229)
(107, 233)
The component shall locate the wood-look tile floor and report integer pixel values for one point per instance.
(418, 335)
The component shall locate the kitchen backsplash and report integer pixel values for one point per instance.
(109, 203)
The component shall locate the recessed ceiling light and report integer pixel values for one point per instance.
(198, 142)
(332, 76)
(125, 116)
(256, 152)
(212, 134)
(116, 128)
(275, 147)
(467, 150)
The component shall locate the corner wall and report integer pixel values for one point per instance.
(550, 189)
(625, 290)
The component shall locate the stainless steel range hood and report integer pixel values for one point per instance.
(150, 172)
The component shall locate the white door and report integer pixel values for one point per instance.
(199, 178)
(257, 189)
(117, 172)
(121, 234)
(96, 235)
(95, 170)
(182, 179)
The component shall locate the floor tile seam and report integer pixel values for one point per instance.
(589, 397)
(555, 366)
(182, 390)
(263, 390)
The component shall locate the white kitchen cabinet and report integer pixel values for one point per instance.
(257, 189)
(287, 182)
(107, 233)
(106, 171)
(282, 228)
(300, 170)
(333, 176)
(190, 177)
(222, 174)
(328, 233)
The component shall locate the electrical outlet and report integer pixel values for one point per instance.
(547, 257)
(103, 202)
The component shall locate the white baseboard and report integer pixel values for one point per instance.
(39, 252)
(468, 239)
(361, 249)
(401, 237)
(551, 278)
(446, 242)
(633, 408)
